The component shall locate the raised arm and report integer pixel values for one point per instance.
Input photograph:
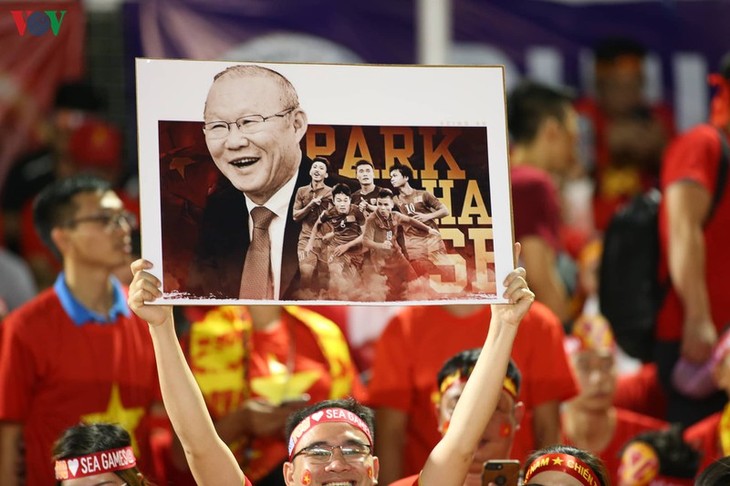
(449, 461)
(210, 460)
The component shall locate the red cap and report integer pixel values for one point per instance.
(96, 144)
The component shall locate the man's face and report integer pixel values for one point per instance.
(306, 470)
(496, 441)
(96, 236)
(396, 179)
(596, 374)
(385, 206)
(342, 203)
(619, 91)
(318, 171)
(565, 145)
(364, 174)
(261, 162)
(104, 479)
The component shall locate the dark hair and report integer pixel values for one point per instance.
(385, 192)
(404, 170)
(465, 361)
(322, 160)
(341, 188)
(530, 104)
(677, 459)
(350, 404)
(716, 474)
(725, 66)
(593, 462)
(54, 206)
(83, 439)
(609, 49)
(363, 162)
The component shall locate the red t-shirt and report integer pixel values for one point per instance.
(695, 157)
(414, 346)
(55, 374)
(628, 425)
(641, 392)
(704, 436)
(535, 205)
(232, 363)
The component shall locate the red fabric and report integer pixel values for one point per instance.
(704, 437)
(269, 352)
(605, 205)
(409, 481)
(53, 373)
(535, 205)
(628, 425)
(695, 157)
(414, 346)
(641, 392)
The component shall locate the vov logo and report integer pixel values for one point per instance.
(37, 22)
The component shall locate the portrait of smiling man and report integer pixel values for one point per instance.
(248, 240)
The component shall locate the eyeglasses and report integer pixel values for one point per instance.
(322, 454)
(246, 124)
(109, 221)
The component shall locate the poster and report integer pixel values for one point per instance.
(312, 183)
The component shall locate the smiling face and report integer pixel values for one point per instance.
(259, 163)
(318, 171)
(498, 436)
(306, 471)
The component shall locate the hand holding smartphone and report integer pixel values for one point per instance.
(501, 472)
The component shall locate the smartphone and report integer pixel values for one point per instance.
(501, 472)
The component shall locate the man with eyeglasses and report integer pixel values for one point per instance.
(329, 445)
(248, 248)
(75, 353)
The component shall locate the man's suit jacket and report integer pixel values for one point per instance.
(216, 269)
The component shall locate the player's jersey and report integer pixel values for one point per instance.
(380, 229)
(418, 202)
(371, 198)
(346, 227)
(304, 196)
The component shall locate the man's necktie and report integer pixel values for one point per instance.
(256, 279)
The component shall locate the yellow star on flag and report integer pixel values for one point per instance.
(179, 164)
(115, 413)
(557, 461)
(280, 385)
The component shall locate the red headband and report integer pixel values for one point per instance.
(96, 463)
(327, 415)
(563, 463)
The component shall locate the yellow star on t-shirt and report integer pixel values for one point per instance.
(280, 385)
(127, 418)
